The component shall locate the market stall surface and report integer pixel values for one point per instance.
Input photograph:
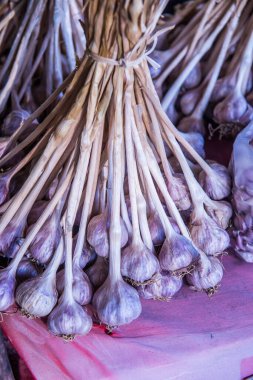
(192, 337)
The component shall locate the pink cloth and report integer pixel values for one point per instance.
(192, 337)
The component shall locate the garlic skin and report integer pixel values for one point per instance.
(222, 214)
(98, 272)
(207, 235)
(116, 303)
(164, 287)
(69, 318)
(26, 270)
(82, 288)
(212, 278)
(7, 288)
(177, 253)
(37, 296)
(97, 234)
(179, 192)
(138, 262)
(218, 184)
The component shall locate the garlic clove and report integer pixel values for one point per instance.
(138, 263)
(98, 272)
(7, 288)
(208, 236)
(69, 319)
(177, 254)
(164, 287)
(37, 296)
(210, 280)
(116, 303)
(218, 184)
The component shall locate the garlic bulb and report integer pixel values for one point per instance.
(177, 253)
(179, 192)
(97, 234)
(82, 289)
(116, 303)
(7, 287)
(164, 287)
(38, 296)
(138, 262)
(207, 235)
(217, 183)
(221, 212)
(209, 280)
(13, 121)
(26, 270)
(68, 319)
(11, 232)
(98, 272)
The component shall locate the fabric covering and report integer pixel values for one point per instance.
(191, 337)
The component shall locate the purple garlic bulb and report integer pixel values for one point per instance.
(13, 230)
(179, 192)
(13, 121)
(192, 124)
(209, 279)
(7, 287)
(36, 212)
(194, 78)
(217, 183)
(207, 235)
(138, 262)
(231, 109)
(177, 254)
(98, 272)
(97, 234)
(26, 270)
(164, 287)
(189, 100)
(196, 140)
(116, 303)
(82, 288)
(69, 319)
(221, 214)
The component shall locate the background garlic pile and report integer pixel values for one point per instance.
(112, 202)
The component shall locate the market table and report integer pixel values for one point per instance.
(192, 337)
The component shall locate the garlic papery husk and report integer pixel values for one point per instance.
(208, 281)
(221, 212)
(7, 288)
(38, 296)
(163, 288)
(217, 183)
(177, 254)
(207, 235)
(116, 303)
(138, 263)
(179, 192)
(98, 272)
(97, 234)
(26, 270)
(69, 319)
(82, 289)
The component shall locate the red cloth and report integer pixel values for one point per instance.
(192, 337)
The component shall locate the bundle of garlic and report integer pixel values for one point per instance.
(205, 78)
(242, 168)
(99, 180)
(39, 44)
